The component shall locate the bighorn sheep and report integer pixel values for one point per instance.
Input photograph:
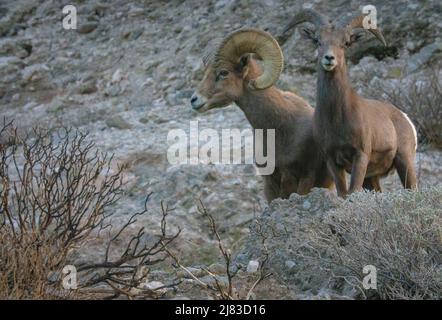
(367, 138)
(233, 75)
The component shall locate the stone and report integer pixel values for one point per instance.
(87, 27)
(153, 285)
(36, 72)
(290, 264)
(21, 48)
(183, 94)
(217, 268)
(253, 266)
(117, 76)
(211, 280)
(118, 122)
(114, 90)
(135, 12)
(423, 56)
(395, 73)
(134, 35)
(10, 69)
(306, 205)
(88, 87)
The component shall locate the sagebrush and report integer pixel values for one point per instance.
(399, 233)
(56, 190)
(421, 99)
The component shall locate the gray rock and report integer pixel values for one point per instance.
(20, 48)
(282, 225)
(134, 35)
(153, 285)
(118, 122)
(88, 87)
(87, 27)
(423, 56)
(36, 72)
(10, 68)
(114, 90)
(183, 94)
(306, 205)
(117, 76)
(253, 266)
(290, 264)
(136, 12)
(211, 280)
(144, 120)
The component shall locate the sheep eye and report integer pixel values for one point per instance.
(222, 74)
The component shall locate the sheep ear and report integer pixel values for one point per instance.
(310, 34)
(244, 61)
(243, 66)
(354, 37)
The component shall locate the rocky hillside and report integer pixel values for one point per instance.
(126, 75)
(317, 246)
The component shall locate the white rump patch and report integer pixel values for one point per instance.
(412, 127)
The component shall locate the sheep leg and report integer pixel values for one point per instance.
(376, 183)
(305, 184)
(289, 184)
(372, 183)
(358, 171)
(271, 186)
(368, 184)
(406, 171)
(338, 174)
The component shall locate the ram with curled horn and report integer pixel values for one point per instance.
(367, 138)
(233, 75)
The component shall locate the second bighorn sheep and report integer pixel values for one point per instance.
(367, 138)
(232, 75)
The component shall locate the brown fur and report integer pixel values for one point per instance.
(299, 165)
(366, 138)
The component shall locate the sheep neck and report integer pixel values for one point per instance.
(334, 95)
(265, 109)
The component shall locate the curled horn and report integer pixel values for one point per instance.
(357, 22)
(250, 40)
(210, 50)
(308, 15)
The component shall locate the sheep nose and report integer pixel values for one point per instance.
(193, 99)
(329, 57)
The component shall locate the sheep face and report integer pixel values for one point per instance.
(332, 38)
(229, 68)
(331, 43)
(220, 86)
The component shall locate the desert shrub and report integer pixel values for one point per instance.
(317, 245)
(221, 280)
(399, 233)
(56, 190)
(421, 99)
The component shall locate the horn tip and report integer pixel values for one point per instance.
(252, 84)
